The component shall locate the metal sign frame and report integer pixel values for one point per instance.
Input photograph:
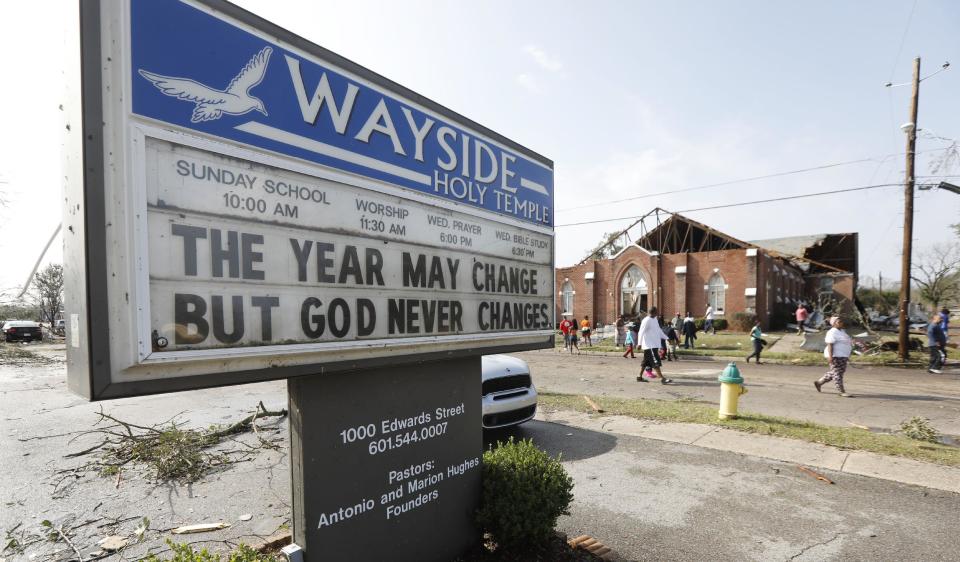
(107, 285)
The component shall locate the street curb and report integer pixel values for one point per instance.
(861, 463)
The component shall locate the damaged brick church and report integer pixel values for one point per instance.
(682, 265)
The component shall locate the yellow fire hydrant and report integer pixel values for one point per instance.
(731, 387)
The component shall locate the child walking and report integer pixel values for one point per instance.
(630, 341)
(673, 341)
(756, 338)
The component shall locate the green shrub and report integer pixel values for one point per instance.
(525, 490)
(744, 321)
(919, 428)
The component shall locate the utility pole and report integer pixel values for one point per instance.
(904, 340)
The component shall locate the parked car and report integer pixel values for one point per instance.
(915, 322)
(59, 327)
(22, 330)
(509, 396)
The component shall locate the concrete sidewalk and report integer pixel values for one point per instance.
(896, 469)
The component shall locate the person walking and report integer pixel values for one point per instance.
(756, 337)
(650, 336)
(572, 337)
(677, 322)
(621, 330)
(566, 325)
(630, 340)
(664, 353)
(585, 330)
(801, 315)
(837, 352)
(945, 324)
(672, 343)
(689, 330)
(708, 320)
(937, 344)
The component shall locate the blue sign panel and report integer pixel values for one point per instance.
(193, 70)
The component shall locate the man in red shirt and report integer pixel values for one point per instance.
(565, 326)
(801, 317)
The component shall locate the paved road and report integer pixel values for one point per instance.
(647, 500)
(650, 500)
(884, 396)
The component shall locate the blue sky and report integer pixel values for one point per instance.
(627, 98)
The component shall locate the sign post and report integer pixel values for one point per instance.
(390, 473)
(244, 205)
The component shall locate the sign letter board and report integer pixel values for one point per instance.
(255, 207)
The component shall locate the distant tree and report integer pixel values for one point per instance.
(48, 291)
(612, 242)
(17, 311)
(937, 273)
(882, 302)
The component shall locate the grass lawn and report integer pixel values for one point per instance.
(690, 411)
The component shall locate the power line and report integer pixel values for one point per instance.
(745, 203)
(745, 180)
(903, 39)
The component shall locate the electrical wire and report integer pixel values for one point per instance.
(745, 180)
(745, 203)
(903, 39)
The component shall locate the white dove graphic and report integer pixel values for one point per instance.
(211, 103)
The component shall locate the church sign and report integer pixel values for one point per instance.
(244, 205)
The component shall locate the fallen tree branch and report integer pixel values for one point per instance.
(85, 451)
(816, 475)
(172, 451)
(245, 424)
(66, 539)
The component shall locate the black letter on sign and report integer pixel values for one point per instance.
(484, 307)
(301, 255)
(266, 304)
(218, 324)
(250, 257)
(350, 266)
(185, 318)
(190, 235)
(307, 322)
(323, 262)
(414, 276)
(339, 331)
(366, 317)
(219, 254)
(374, 266)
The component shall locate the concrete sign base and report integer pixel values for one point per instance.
(381, 455)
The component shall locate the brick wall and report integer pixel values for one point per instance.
(843, 290)
(779, 285)
(731, 265)
(583, 293)
(601, 297)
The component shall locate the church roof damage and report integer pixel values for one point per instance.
(673, 233)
